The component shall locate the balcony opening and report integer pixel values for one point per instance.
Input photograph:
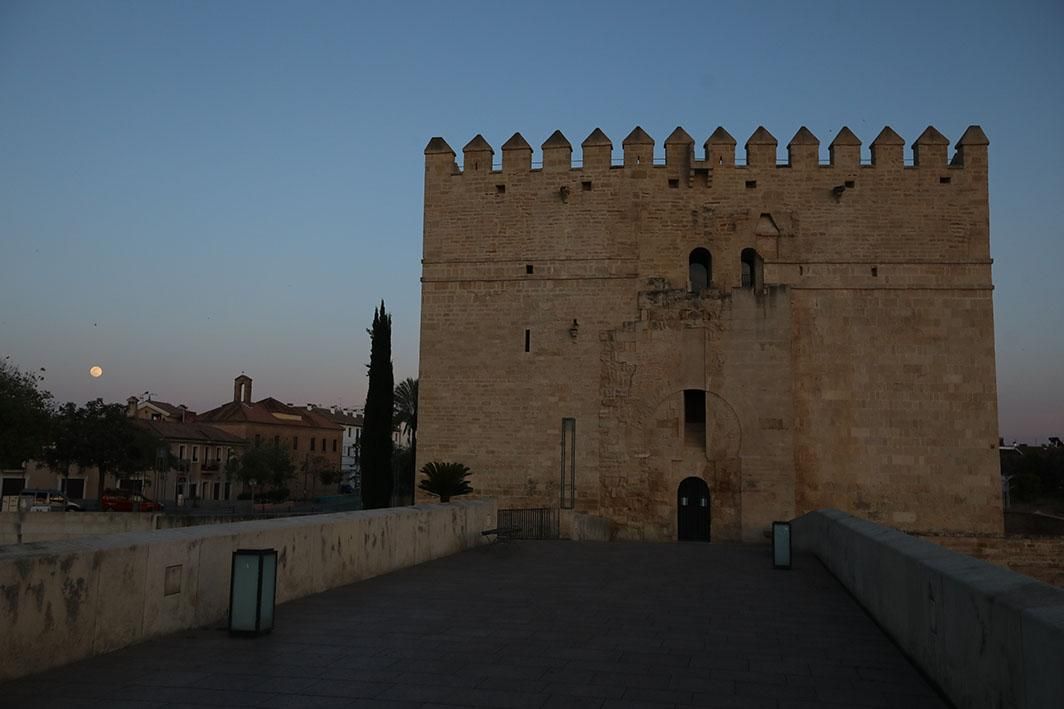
(700, 269)
(752, 269)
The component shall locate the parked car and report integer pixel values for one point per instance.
(126, 501)
(46, 501)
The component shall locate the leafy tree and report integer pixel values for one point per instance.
(406, 417)
(264, 465)
(102, 436)
(376, 445)
(1038, 472)
(321, 468)
(25, 415)
(402, 471)
(329, 477)
(445, 480)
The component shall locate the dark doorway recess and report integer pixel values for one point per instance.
(692, 511)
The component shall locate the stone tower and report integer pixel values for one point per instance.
(782, 336)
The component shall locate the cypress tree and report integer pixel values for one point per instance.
(377, 424)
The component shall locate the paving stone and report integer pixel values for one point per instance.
(538, 624)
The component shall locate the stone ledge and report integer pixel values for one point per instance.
(985, 635)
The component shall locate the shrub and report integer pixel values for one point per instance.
(279, 494)
(445, 480)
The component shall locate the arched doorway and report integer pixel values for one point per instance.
(692, 510)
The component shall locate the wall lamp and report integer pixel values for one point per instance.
(781, 545)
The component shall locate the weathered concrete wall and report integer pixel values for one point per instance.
(1039, 557)
(582, 527)
(987, 636)
(25, 527)
(64, 601)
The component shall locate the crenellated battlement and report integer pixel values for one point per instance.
(929, 150)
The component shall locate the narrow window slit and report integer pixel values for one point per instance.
(694, 417)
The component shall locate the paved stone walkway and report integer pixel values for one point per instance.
(529, 624)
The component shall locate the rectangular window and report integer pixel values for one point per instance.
(217, 491)
(334, 445)
(181, 452)
(568, 467)
(312, 444)
(295, 443)
(694, 417)
(195, 453)
(180, 490)
(228, 490)
(528, 340)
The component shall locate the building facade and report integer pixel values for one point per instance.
(693, 338)
(351, 421)
(312, 440)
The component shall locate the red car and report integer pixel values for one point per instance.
(126, 501)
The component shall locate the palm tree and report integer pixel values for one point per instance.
(445, 480)
(406, 416)
(406, 408)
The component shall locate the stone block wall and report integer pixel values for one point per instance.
(1038, 557)
(856, 370)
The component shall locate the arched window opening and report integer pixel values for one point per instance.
(700, 269)
(752, 269)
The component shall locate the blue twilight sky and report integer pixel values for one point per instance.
(192, 189)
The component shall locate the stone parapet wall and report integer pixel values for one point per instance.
(28, 527)
(67, 600)
(986, 636)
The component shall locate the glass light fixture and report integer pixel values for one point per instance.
(781, 545)
(252, 591)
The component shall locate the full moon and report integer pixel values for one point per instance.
(95, 371)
